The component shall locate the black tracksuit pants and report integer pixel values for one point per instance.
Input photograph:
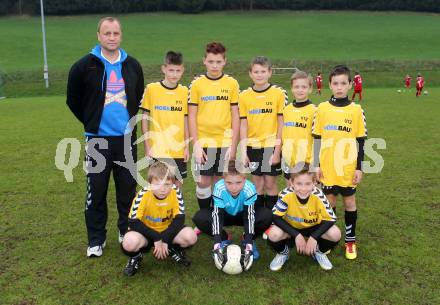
(101, 155)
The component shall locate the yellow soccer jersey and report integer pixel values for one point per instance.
(157, 214)
(302, 216)
(167, 108)
(297, 133)
(214, 98)
(261, 109)
(338, 128)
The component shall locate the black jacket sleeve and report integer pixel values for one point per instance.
(283, 225)
(174, 228)
(140, 85)
(322, 228)
(138, 226)
(361, 152)
(74, 92)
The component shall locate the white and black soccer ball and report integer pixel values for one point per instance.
(425, 92)
(399, 91)
(231, 260)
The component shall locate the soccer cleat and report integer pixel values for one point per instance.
(247, 259)
(278, 261)
(350, 250)
(266, 233)
(322, 260)
(178, 255)
(133, 265)
(225, 243)
(197, 231)
(95, 251)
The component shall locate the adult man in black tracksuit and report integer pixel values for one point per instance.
(103, 92)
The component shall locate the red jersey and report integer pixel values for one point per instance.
(408, 81)
(420, 82)
(357, 80)
(318, 80)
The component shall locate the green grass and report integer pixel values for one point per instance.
(301, 35)
(383, 46)
(44, 239)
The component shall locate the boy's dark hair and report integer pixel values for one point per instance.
(262, 61)
(301, 169)
(173, 58)
(215, 48)
(340, 70)
(235, 168)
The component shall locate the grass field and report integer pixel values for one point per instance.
(43, 233)
(383, 46)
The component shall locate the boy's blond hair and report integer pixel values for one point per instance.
(161, 171)
(301, 75)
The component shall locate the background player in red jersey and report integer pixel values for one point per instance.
(357, 81)
(408, 82)
(318, 80)
(420, 83)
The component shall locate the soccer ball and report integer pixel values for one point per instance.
(425, 92)
(399, 91)
(231, 260)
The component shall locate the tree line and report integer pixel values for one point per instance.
(69, 7)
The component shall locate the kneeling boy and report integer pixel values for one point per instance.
(234, 205)
(303, 211)
(157, 219)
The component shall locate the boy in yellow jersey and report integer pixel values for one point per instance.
(303, 211)
(157, 219)
(297, 124)
(213, 119)
(341, 126)
(165, 117)
(261, 121)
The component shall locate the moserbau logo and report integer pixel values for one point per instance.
(167, 108)
(260, 111)
(299, 219)
(210, 98)
(295, 124)
(153, 219)
(336, 127)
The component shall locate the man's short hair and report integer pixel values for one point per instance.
(215, 48)
(173, 58)
(340, 70)
(301, 75)
(262, 61)
(161, 171)
(110, 19)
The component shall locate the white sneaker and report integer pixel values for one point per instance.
(120, 237)
(278, 261)
(323, 260)
(95, 251)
